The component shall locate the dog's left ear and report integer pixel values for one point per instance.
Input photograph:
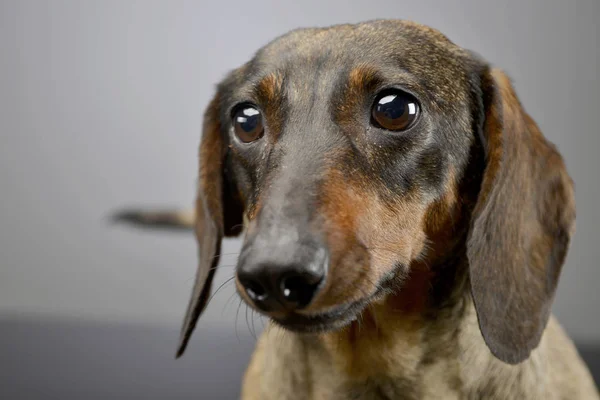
(219, 212)
(521, 225)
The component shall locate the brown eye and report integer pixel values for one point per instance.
(247, 123)
(395, 110)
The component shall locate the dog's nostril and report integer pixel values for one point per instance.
(297, 290)
(291, 287)
(255, 290)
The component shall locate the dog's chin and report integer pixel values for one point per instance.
(332, 320)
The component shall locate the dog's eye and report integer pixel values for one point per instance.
(395, 110)
(247, 123)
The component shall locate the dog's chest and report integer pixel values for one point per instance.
(385, 389)
(380, 369)
(436, 383)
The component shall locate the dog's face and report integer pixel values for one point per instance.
(341, 142)
(358, 153)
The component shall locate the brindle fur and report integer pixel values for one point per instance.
(446, 240)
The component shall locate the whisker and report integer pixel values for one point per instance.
(248, 323)
(228, 301)
(262, 321)
(225, 254)
(222, 266)
(212, 269)
(237, 313)
(219, 288)
(252, 320)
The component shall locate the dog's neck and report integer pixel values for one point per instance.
(419, 322)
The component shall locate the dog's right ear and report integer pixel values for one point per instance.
(219, 212)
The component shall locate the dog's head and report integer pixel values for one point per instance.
(358, 154)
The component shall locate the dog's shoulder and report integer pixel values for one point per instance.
(553, 371)
(567, 372)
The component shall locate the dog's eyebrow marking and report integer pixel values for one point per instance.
(270, 92)
(360, 81)
(270, 87)
(353, 87)
(362, 76)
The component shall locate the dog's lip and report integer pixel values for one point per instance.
(334, 319)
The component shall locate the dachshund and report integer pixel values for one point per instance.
(405, 221)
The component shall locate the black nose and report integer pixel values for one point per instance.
(275, 282)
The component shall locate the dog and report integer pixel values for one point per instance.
(405, 221)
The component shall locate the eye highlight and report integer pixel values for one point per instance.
(248, 123)
(394, 110)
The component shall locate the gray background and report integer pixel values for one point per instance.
(100, 107)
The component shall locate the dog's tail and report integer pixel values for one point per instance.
(167, 219)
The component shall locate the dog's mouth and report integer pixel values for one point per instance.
(336, 318)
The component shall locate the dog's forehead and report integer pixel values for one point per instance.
(372, 37)
(301, 55)
(416, 46)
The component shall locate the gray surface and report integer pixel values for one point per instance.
(60, 359)
(100, 107)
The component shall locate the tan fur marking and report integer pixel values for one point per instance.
(270, 91)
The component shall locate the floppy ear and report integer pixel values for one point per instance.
(521, 225)
(218, 213)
